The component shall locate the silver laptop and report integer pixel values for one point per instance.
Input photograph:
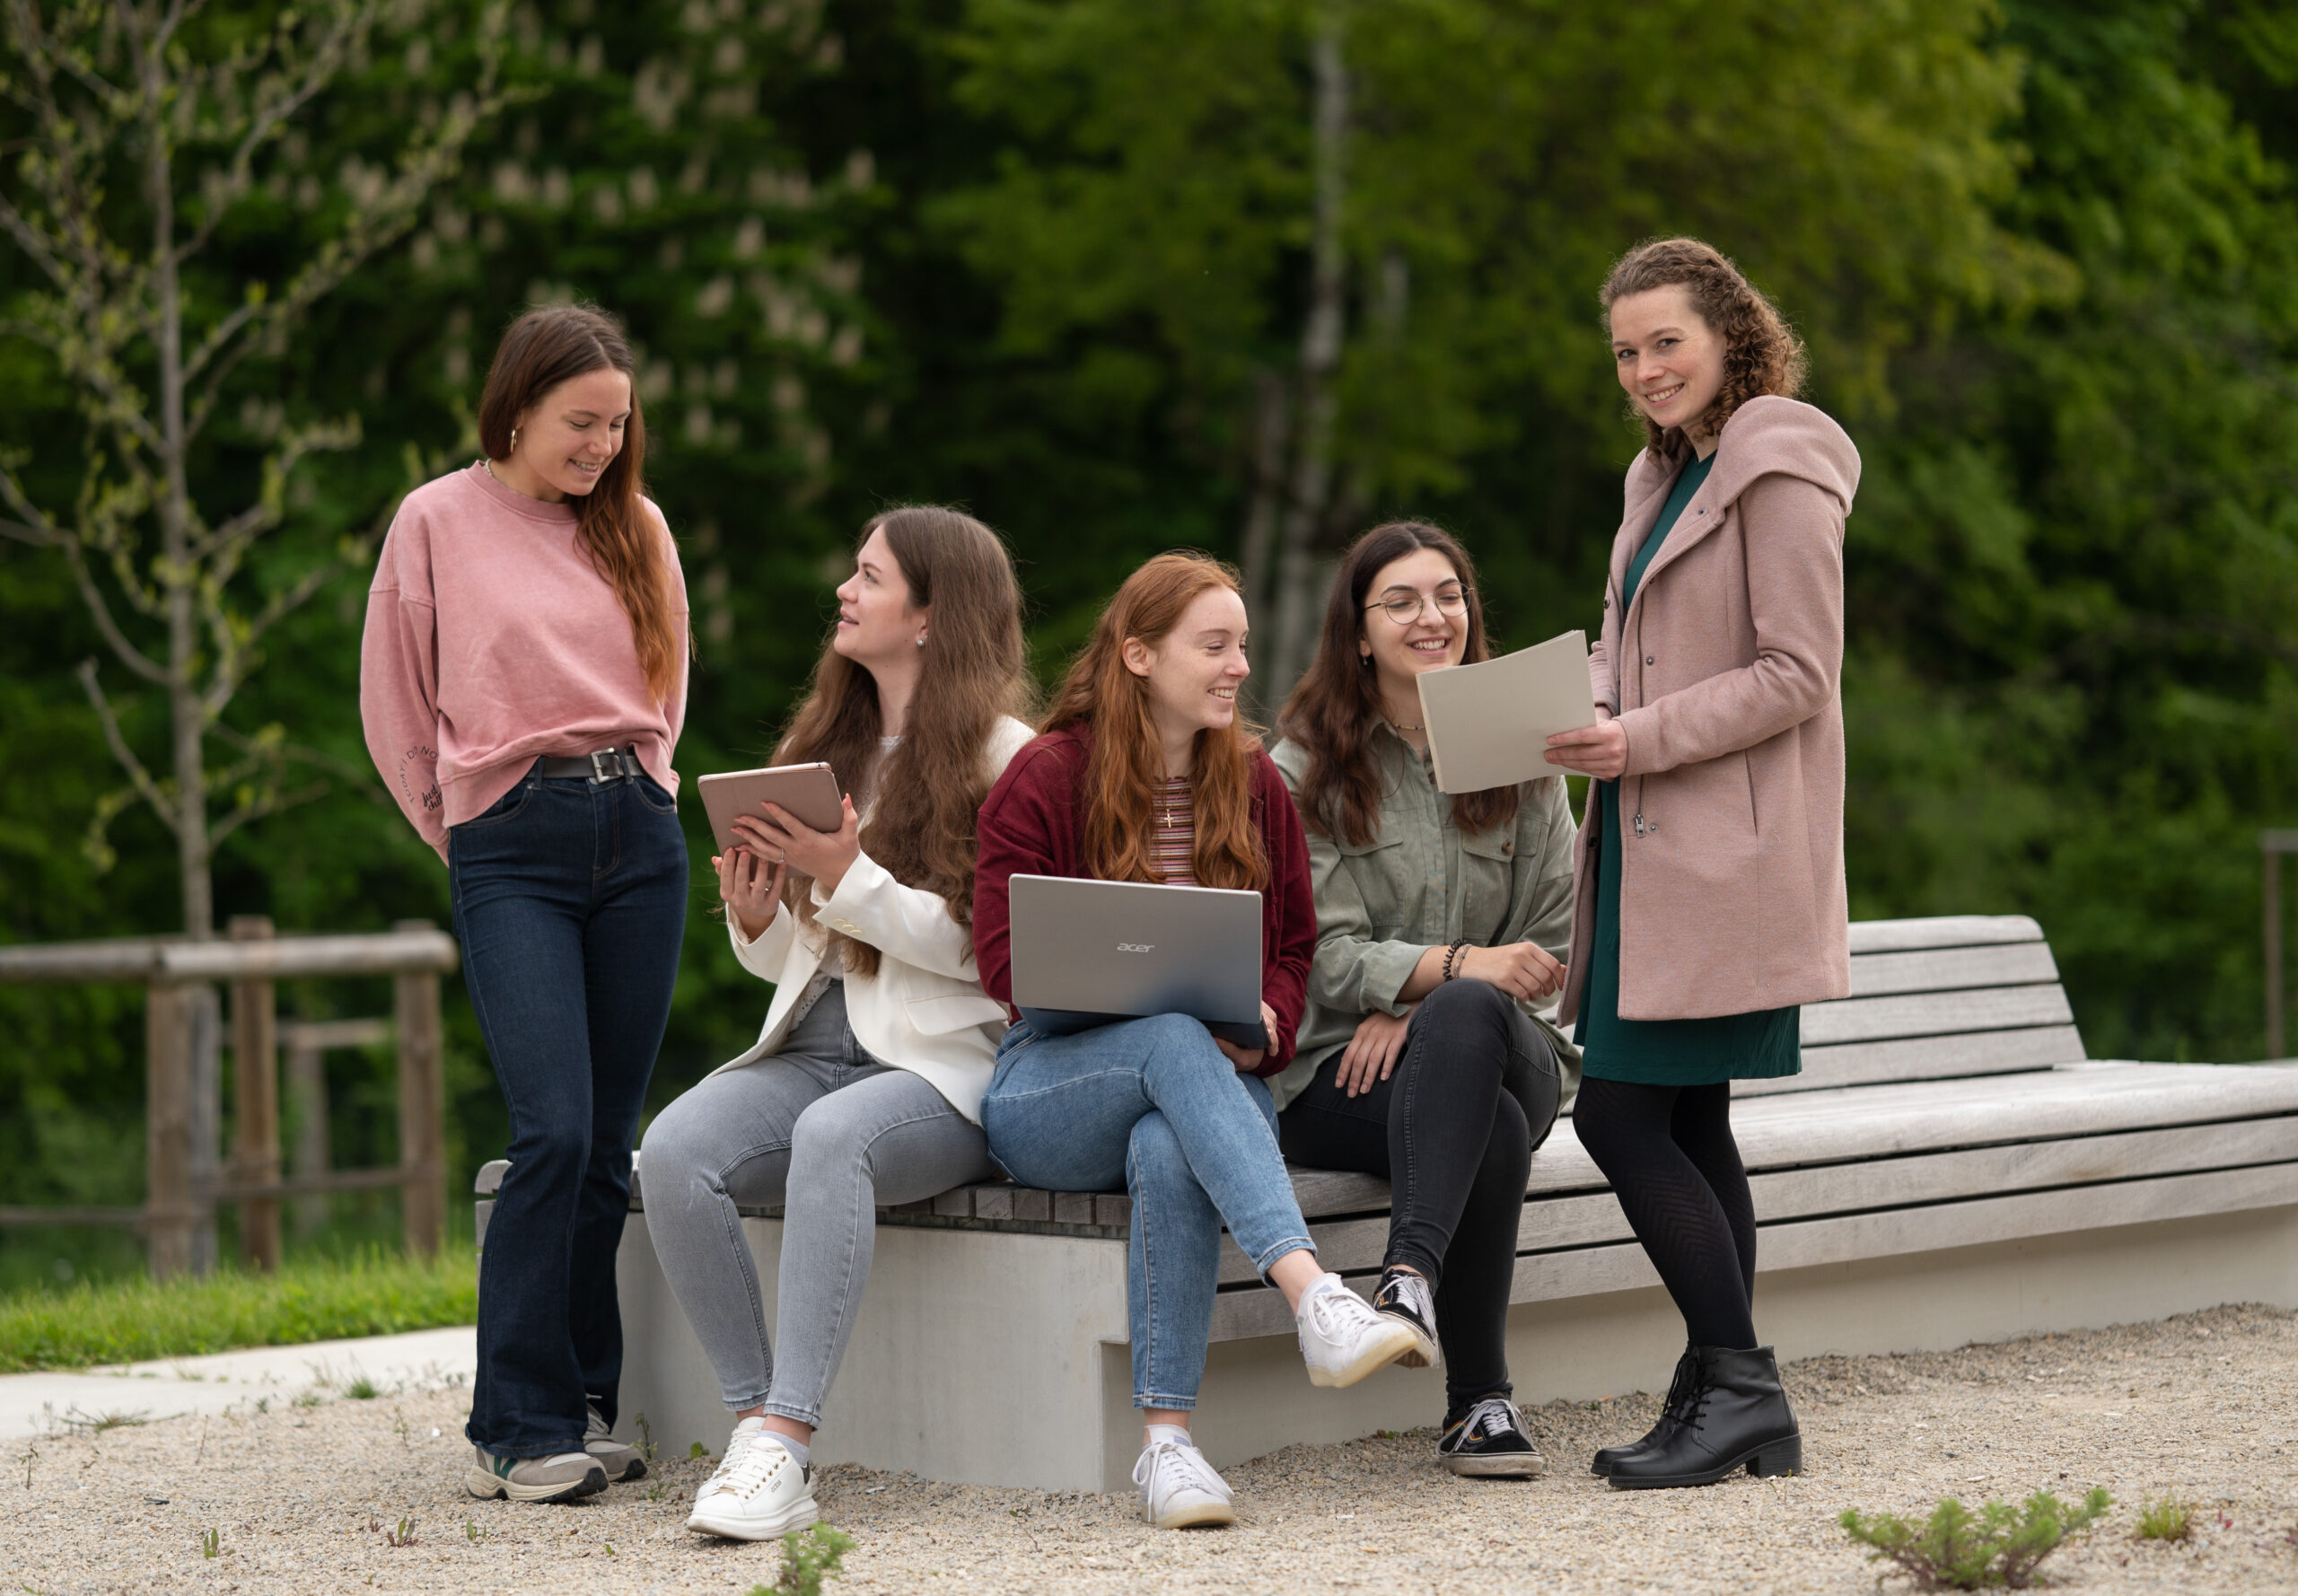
(1087, 953)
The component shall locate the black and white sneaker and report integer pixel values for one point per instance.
(1405, 1297)
(1489, 1441)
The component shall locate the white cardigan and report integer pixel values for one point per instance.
(924, 1010)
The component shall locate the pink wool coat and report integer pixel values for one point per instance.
(1725, 674)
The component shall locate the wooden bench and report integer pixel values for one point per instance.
(1950, 1168)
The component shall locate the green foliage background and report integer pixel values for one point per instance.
(1029, 256)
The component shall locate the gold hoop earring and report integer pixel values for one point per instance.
(514, 440)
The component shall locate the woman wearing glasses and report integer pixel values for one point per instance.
(1440, 922)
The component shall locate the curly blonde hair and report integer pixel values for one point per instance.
(1761, 353)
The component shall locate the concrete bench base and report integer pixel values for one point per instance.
(999, 1358)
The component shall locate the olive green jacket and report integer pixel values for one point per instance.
(1420, 884)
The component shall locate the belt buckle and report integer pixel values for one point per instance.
(606, 766)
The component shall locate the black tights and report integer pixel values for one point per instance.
(1452, 1130)
(1669, 1154)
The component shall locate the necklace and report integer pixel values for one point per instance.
(1400, 727)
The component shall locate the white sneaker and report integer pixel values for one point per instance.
(1343, 1340)
(1179, 1488)
(759, 1492)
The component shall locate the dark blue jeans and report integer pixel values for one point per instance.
(570, 903)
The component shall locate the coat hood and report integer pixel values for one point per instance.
(1767, 435)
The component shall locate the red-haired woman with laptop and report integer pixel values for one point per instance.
(1144, 774)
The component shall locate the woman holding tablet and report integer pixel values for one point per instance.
(1711, 891)
(865, 1087)
(1440, 922)
(1145, 774)
(523, 680)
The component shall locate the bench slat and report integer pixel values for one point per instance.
(1950, 969)
(1595, 1218)
(1925, 1058)
(1808, 1128)
(1807, 1243)
(1941, 931)
(1934, 1014)
(1323, 1192)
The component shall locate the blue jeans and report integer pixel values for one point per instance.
(570, 903)
(1152, 1105)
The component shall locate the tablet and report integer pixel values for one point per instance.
(809, 792)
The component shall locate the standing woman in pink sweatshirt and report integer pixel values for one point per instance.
(523, 681)
(1709, 887)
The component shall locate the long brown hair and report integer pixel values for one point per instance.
(542, 349)
(1101, 695)
(927, 793)
(1761, 353)
(1336, 704)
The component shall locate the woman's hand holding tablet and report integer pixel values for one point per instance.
(751, 886)
(824, 856)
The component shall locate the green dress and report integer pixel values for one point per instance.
(1665, 1052)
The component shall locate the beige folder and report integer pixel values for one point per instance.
(1488, 724)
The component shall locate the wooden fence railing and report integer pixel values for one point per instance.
(184, 1184)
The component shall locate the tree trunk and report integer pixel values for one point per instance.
(187, 715)
(1272, 423)
(1296, 605)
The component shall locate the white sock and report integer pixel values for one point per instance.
(1176, 1433)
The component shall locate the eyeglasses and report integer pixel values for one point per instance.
(1405, 609)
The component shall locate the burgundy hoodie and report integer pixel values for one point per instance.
(1031, 823)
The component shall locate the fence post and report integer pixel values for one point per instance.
(421, 1107)
(167, 1211)
(307, 1093)
(255, 1101)
(206, 1012)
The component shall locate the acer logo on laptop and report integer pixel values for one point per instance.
(1136, 947)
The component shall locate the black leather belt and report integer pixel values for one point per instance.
(607, 765)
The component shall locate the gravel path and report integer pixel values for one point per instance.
(303, 1491)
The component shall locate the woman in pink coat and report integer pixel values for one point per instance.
(1711, 900)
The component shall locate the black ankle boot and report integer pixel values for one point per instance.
(1735, 1413)
(1678, 1386)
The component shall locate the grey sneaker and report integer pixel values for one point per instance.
(568, 1476)
(620, 1459)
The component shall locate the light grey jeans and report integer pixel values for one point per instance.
(826, 1132)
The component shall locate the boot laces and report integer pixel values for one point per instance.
(1680, 1389)
(1699, 1385)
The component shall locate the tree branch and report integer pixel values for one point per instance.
(318, 72)
(145, 786)
(294, 753)
(270, 804)
(134, 658)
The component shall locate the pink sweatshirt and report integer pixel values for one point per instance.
(491, 640)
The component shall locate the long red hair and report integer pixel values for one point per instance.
(1102, 696)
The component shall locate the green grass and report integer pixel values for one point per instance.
(373, 1294)
(2169, 1519)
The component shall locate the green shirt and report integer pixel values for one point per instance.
(1665, 1052)
(1422, 883)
